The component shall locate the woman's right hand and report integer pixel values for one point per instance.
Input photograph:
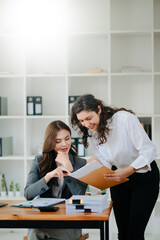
(59, 172)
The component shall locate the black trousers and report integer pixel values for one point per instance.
(133, 202)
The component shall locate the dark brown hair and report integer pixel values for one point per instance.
(89, 103)
(47, 162)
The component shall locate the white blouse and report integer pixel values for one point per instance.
(127, 144)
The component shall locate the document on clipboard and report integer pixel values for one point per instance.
(93, 174)
(39, 202)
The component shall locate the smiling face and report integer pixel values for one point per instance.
(89, 119)
(63, 141)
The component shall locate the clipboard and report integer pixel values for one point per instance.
(93, 174)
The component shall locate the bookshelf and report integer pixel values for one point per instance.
(47, 54)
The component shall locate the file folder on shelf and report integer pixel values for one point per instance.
(93, 174)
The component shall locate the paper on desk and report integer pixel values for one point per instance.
(40, 202)
(93, 174)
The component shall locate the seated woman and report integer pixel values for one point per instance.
(47, 178)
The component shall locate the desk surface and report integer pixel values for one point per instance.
(15, 213)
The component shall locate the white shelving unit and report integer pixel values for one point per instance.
(46, 47)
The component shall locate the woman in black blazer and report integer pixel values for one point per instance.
(47, 178)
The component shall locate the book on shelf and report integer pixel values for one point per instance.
(85, 203)
(93, 174)
(131, 69)
(94, 70)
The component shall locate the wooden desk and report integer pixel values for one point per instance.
(14, 217)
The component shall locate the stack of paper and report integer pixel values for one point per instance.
(85, 203)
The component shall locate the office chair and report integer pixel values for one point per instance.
(82, 237)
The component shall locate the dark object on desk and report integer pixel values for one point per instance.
(48, 209)
(3, 204)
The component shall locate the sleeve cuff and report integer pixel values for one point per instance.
(141, 164)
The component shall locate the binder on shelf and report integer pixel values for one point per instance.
(80, 147)
(3, 106)
(87, 175)
(38, 105)
(77, 142)
(30, 105)
(71, 100)
(6, 146)
(34, 105)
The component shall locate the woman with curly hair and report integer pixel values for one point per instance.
(119, 141)
(47, 178)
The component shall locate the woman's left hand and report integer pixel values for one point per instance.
(63, 159)
(119, 174)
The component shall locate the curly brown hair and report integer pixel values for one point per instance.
(89, 103)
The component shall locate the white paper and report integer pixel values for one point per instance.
(86, 169)
(40, 202)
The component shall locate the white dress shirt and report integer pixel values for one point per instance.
(127, 144)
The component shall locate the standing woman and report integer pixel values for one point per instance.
(118, 139)
(46, 177)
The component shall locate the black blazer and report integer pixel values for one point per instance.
(36, 185)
